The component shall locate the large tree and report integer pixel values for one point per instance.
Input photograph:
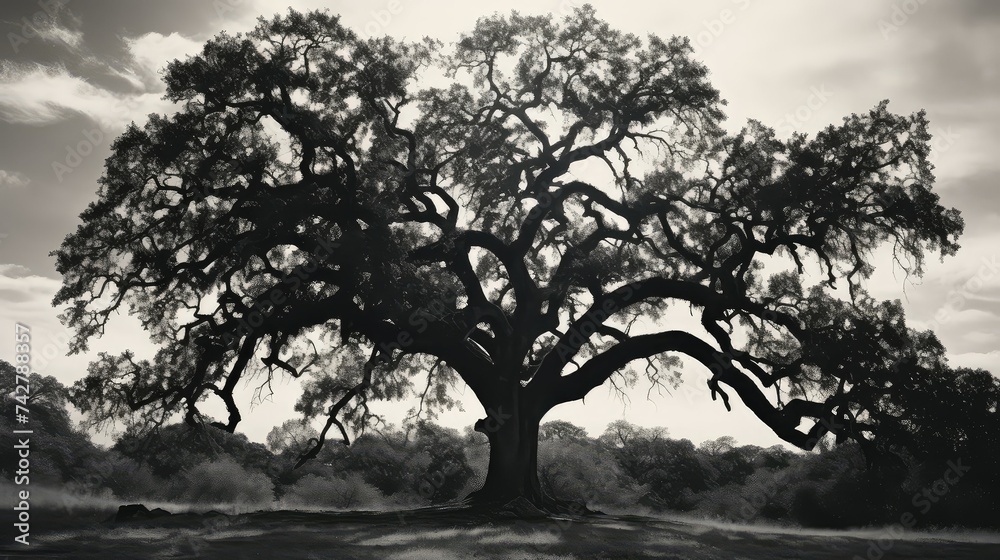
(521, 212)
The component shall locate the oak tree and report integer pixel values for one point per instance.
(523, 212)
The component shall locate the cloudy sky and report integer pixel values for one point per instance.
(74, 73)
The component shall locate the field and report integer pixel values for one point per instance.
(448, 534)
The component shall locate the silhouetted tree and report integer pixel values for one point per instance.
(310, 211)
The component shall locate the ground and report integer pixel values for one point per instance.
(447, 535)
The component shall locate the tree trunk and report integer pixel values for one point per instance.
(513, 467)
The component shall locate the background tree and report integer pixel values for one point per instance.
(580, 470)
(671, 470)
(560, 429)
(292, 436)
(70, 457)
(309, 212)
(171, 449)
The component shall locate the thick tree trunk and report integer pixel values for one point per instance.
(513, 467)
(511, 425)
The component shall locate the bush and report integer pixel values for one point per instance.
(584, 472)
(447, 472)
(349, 492)
(127, 479)
(382, 462)
(180, 447)
(224, 481)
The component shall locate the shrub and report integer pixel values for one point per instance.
(349, 492)
(225, 481)
(584, 472)
(127, 479)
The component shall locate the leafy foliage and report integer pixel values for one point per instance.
(223, 481)
(311, 212)
(346, 493)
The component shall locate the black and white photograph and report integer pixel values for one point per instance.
(525, 280)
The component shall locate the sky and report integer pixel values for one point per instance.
(74, 73)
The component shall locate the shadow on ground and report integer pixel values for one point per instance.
(446, 534)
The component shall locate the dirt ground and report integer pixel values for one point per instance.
(447, 535)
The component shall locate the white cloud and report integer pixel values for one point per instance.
(954, 316)
(982, 338)
(13, 179)
(989, 361)
(53, 33)
(153, 51)
(37, 95)
(129, 75)
(14, 271)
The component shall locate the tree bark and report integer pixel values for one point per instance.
(513, 467)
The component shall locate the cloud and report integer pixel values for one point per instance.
(25, 299)
(153, 51)
(37, 95)
(56, 34)
(128, 75)
(50, 25)
(13, 179)
(989, 361)
(14, 271)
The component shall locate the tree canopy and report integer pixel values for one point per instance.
(524, 224)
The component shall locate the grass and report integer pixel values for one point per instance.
(445, 534)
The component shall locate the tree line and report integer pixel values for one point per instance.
(628, 468)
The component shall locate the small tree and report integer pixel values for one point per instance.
(310, 211)
(292, 436)
(69, 455)
(561, 429)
